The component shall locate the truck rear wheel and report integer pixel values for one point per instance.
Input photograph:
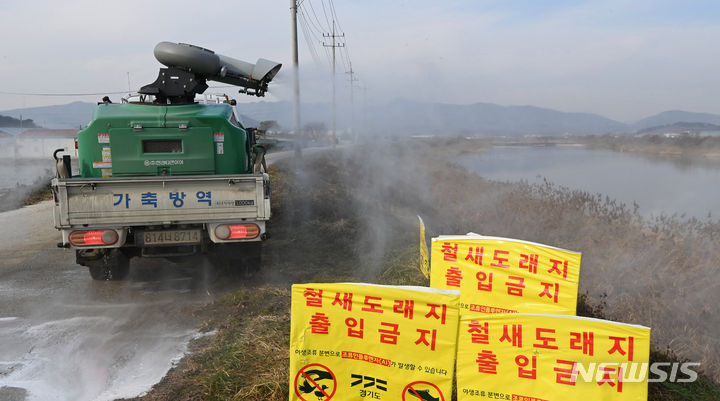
(113, 265)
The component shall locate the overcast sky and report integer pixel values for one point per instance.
(623, 59)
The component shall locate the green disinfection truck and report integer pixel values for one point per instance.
(169, 172)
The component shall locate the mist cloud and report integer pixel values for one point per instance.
(619, 59)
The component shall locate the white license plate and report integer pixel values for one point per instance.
(171, 237)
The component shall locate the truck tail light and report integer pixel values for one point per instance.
(237, 231)
(93, 238)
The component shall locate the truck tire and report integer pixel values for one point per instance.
(112, 266)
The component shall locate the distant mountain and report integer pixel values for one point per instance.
(676, 116)
(72, 115)
(248, 121)
(10, 122)
(488, 119)
(398, 117)
(404, 117)
(681, 128)
(282, 112)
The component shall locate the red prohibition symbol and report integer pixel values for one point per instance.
(315, 382)
(422, 391)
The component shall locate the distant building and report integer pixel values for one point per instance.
(48, 133)
(37, 143)
(13, 131)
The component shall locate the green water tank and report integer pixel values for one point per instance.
(129, 140)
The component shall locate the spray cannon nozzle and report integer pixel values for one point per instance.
(189, 66)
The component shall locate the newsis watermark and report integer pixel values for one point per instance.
(635, 372)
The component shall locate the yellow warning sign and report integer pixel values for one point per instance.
(550, 358)
(364, 341)
(424, 261)
(502, 275)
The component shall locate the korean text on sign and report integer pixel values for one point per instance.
(551, 357)
(500, 275)
(151, 200)
(371, 341)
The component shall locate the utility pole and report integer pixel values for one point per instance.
(364, 107)
(334, 105)
(296, 74)
(352, 102)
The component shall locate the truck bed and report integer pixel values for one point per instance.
(160, 200)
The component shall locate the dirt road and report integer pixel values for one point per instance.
(64, 336)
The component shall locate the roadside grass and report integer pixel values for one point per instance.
(38, 195)
(703, 389)
(350, 215)
(251, 347)
(26, 194)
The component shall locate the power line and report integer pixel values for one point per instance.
(306, 33)
(334, 14)
(345, 64)
(336, 20)
(88, 94)
(333, 36)
(308, 38)
(319, 24)
(353, 79)
(347, 53)
(62, 94)
(322, 2)
(312, 24)
(312, 28)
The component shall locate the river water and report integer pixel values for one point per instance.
(657, 186)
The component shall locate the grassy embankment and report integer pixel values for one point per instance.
(25, 195)
(37, 195)
(350, 216)
(683, 151)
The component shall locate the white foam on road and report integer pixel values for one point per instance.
(64, 337)
(88, 358)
